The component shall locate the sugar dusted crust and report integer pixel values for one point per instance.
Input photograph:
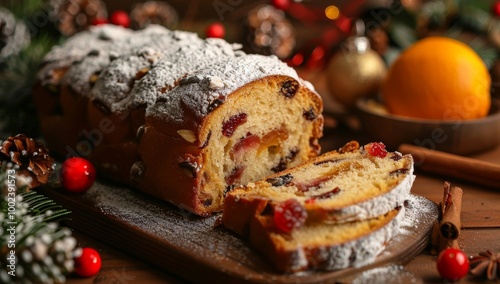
(154, 101)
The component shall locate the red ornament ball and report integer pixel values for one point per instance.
(120, 18)
(495, 8)
(452, 264)
(77, 174)
(281, 4)
(216, 30)
(99, 21)
(88, 263)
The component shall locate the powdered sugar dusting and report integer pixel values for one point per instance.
(99, 58)
(77, 47)
(181, 229)
(117, 81)
(234, 73)
(386, 274)
(188, 58)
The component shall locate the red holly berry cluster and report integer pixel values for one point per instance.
(119, 18)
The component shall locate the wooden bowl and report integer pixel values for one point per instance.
(463, 137)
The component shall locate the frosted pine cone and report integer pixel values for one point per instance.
(153, 12)
(32, 158)
(72, 16)
(267, 32)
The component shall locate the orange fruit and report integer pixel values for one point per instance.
(438, 78)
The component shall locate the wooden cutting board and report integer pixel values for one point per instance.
(193, 248)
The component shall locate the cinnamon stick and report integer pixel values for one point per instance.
(446, 232)
(469, 169)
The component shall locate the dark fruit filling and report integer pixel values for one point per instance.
(325, 195)
(289, 215)
(283, 164)
(399, 171)
(289, 88)
(230, 125)
(281, 180)
(309, 114)
(376, 149)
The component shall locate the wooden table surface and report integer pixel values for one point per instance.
(480, 222)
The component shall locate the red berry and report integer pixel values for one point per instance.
(99, 21)
(376, 149)
(289, 215)
(495, 8)
(230, 125)
(281, 4)
(452, 264)
(88, 263)
(120, 18)
(77, 174)
(216, 30)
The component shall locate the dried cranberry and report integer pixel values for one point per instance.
(230, 125)
(289, 88)
(281, 180)
(306, 186)
(326, 195)
(309, 114)
(245, 144)
(376, 149)
(289, 215)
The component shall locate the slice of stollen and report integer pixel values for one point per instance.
(324, 246)
(353, 183)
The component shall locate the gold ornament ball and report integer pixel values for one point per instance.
(352, 75)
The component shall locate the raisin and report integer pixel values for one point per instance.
(399, 171)
(281, 180)
(230, 125)
(376, 149)
(289, 88)
(396, 156)
(309, 114)
(289, 215)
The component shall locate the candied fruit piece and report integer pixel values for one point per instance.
(230, 125)
(245, 144)
(289, 215)
(376, 149)
(325, 195)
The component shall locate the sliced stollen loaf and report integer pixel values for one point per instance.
(353, 183)
(325, 246)
(321, 214)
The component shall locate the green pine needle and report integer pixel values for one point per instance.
(41, 205)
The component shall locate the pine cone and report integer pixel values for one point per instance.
(32, 158)
(14, 35)
(73, 16)
(153, 12)
(267, 31)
